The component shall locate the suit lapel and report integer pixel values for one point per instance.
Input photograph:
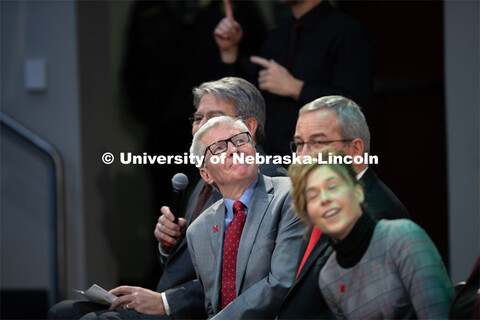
(191, 207)
(303, 248)
(178, 248)
(367, 179)
(317, 251)
(214, 226)
(304, 245)
(256, 212)
(192, 201)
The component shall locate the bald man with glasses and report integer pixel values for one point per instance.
(241, 246)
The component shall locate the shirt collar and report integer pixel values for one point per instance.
(316, 14)
(246, 198)
(360, 175)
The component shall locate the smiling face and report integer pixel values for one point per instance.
(228, 176)
(332, 203)
(317, 126)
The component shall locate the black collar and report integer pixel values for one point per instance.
(351, 249)
(316, 14)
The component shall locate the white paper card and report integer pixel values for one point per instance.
(98, 295)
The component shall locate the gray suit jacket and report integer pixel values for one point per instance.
(178, 281)
(266, 261)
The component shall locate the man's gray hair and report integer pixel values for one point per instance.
(247, 101)
(351, 121)
(198, 149)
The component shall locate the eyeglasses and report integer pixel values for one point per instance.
(197, 117)
(221, 146)
(298, 146)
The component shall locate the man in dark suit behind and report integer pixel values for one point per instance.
(338, 122)
(230, 96)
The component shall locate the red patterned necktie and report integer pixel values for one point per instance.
(230, 250)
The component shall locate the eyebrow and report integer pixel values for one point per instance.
(224, 139)
(210, 112)
(316, 135)
(310, 189)
(328, 179)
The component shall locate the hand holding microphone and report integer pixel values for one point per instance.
(170, 229)
(167, 232)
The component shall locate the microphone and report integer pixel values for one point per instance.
(179, 184)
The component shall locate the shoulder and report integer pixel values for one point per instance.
(402, 233)
(399, 226)
(405, 225)
(342, 22)
(279, 185)
(402, 242)
(275, 191)
(380, 201)
(273, 170)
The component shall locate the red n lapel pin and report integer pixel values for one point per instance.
(215, 228)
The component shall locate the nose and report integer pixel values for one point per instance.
(231, 148)
(325, 197)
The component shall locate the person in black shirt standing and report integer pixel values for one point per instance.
(319, 52)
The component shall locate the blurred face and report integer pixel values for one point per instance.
(228, 173)
(315, 129)
(208, 108)
(333, 204)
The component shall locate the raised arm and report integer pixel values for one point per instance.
(228, 34)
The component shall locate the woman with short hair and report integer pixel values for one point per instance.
(388, 269)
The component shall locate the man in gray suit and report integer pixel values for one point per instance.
(178, 294)
(242, 246)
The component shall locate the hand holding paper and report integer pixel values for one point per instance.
(98, 295)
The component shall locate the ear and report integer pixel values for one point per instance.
(359, 193)
(252, 126)
(356, 147)
(205, 174)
